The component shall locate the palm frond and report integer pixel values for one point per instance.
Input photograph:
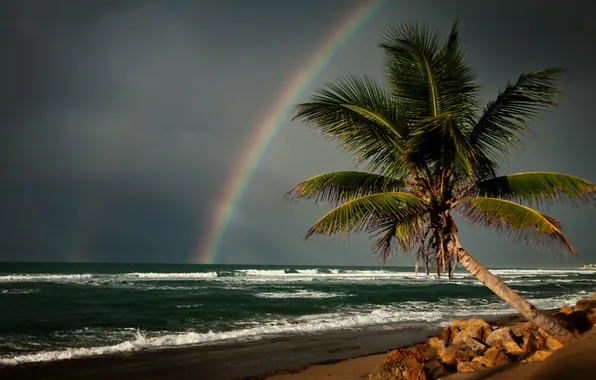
(366, 211)
(391, 235)
(522, 223)
(539, 188)
(504, 120)
(338, 187)
(429, 75)
(358, 114)
(438, 143)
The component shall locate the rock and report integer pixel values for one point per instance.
(592, 316)
(579, 320)
(402, 364)
(469, 366)
(434, 369)
(551, 343)
(492, 357)
(433, 342)
(532, 342)
(532, 338)
(417, 352)
(585, 304)
(503, 339)
(454, 354)
(537, 356)
(448, 334)
(535, 339)
(475, 328)
(466, 341)
(566, 310)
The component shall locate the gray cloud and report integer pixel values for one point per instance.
(121, 121)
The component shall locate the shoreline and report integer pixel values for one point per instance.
(231, 361)
(361, 366)
(257, 360)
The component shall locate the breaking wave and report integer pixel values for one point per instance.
(396, 316)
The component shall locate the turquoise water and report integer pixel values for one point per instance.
(58, 311)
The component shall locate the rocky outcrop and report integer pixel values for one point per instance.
(473, 345)
(433, 342)
(492, 357)
(585, 304)
(402, 364)
(469, 366)
(474, 328)
(504, 339)
(469, 344)
(537, 356)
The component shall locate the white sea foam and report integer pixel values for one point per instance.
(411, 313)
(44, 277)
(184, 276)
(541, 272)
(298, 276)
(299, 294)
(189, 306)
(19, 291)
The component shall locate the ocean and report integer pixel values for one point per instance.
(52, 311)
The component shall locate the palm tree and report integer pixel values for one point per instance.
(429, 148)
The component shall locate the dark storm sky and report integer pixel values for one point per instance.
(120, 121)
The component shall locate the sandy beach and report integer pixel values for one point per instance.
(574, 361)
(254, 360)
(335, 356)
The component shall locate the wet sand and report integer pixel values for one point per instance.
(255, 360)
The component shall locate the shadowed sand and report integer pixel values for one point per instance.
(574, 361)
(248, 360)
(341, 356)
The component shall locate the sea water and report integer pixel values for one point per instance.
(56, 311)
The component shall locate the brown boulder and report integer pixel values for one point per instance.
(475, 328)
(469, 366)
(532, 341)
(448, 334)
(585, 304)
(535, 339)
(550, 343)
(402, 364)
(434, 369)
(433, 342)
(492, 357)
(537, 356)
(503, 338)
(467, 342)
(454, 354)
(566, 310)
(579, 320)
(532, 338)
(416, 352)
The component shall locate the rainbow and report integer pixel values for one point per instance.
(269, 127)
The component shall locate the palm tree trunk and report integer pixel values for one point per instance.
(510, 296)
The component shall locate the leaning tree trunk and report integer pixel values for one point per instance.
(510, 296)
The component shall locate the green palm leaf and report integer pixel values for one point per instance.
(366, 212)
(359, 115)
(502, 122)
(539, 187)
(393, 234)
(438, 143)
(522, 223)
(429, 75)
(339, 187)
